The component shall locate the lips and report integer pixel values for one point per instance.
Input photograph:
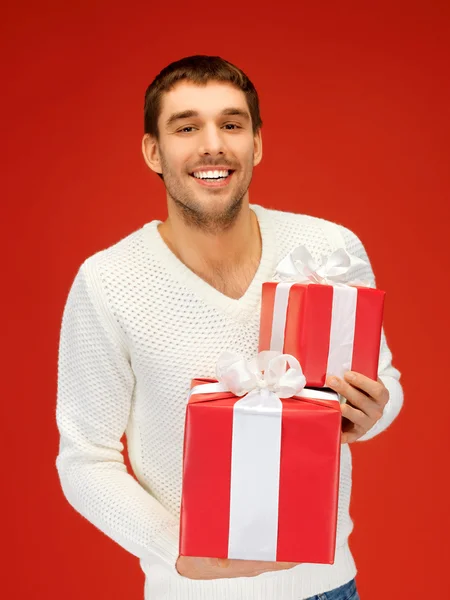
(214, 183)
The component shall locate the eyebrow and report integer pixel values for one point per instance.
(187, 114)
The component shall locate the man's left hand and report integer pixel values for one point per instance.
(366, 400)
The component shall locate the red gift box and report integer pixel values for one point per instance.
(330, 329)
(260, 483)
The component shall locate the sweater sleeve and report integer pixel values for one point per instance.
(388, 374)
(94, 395)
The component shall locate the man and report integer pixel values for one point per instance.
(146, 315)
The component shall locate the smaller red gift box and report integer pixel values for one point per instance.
(329, 326)
(260, 476)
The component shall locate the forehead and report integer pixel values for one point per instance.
(208, 99)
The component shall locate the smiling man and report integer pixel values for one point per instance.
(205, 145)
(149, 313)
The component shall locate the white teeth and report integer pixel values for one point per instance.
(210, 174)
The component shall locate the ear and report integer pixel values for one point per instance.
(150, 151)
(257, 148)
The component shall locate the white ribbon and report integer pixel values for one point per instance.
(256, 444)
(265, 372)
(336, 270)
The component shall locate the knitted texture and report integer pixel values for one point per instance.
(137, 326)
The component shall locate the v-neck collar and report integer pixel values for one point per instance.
(238, 307)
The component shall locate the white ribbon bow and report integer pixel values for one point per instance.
(267, 371)
(337, 269)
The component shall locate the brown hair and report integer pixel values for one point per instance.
(199, 69)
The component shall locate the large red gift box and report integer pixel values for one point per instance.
(330, 329)
(260, 483)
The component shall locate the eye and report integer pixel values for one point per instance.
(232, 125)
(184, 129)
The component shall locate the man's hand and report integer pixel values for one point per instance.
(195, 567)
(366, 400)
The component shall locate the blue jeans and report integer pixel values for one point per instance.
(347, 591)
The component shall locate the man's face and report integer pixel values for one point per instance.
(207, 151)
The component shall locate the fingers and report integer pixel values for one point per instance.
(243, 568)
(219, 568)
(286, 565)
(350, 436)
(375, 389)
(365, 404)
(356, 416)
(240, 566)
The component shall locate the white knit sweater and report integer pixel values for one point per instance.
(137, 326)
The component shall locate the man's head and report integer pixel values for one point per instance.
(201, 118)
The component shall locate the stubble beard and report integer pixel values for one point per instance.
(194, 214)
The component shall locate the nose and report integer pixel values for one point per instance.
(211, 141)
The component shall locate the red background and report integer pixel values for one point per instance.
(355, 102)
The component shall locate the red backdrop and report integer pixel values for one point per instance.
(355, 102)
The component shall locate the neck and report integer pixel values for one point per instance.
(223, 251)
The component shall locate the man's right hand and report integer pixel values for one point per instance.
(195, 567)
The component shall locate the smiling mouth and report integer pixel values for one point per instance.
(212, 178)
(214, 182)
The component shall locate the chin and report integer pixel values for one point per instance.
(219, 214)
